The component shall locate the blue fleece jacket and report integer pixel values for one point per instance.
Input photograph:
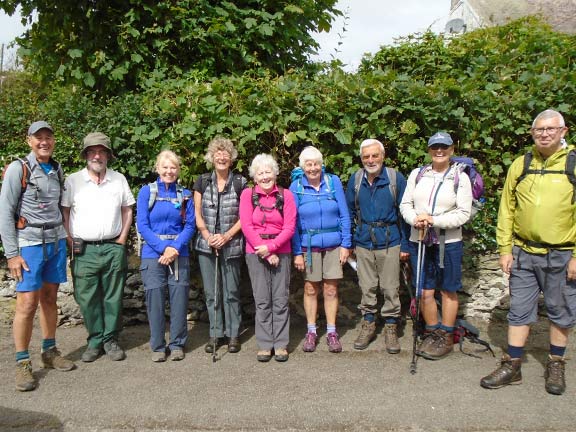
(323, 219)
(380, 217)
(165, 218)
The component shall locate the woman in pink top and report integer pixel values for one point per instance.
(268, 218)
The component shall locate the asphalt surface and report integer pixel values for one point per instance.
(352, 391)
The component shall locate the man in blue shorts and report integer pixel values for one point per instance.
(34, 243)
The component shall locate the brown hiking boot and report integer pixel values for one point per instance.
(436, 346)
(554, 375)
(52, 359)
(24, 379)
(367, 335)
(391, 338)
(509, 372)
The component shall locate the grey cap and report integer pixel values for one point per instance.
(36, 126)
(440, 138)
(96, 139)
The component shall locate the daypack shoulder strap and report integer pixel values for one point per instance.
(393, 186)
(237, 184)
(153, 194)
(570, 166)
(278, 205)
(526, 166)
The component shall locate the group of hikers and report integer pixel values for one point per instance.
(315, 226)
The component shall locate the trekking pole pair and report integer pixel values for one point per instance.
(415, 311)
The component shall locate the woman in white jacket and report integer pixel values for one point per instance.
(438, 200)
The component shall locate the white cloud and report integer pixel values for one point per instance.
(373, 23)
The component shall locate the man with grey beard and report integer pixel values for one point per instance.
(380, 240)
(97, 208)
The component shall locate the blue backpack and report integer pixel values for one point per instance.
(297, 174)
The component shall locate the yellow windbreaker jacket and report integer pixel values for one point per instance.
(538, 209)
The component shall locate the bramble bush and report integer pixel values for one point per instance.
(483, 87)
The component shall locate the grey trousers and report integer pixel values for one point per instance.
(226, 320)
(379, 268)
(270, 286)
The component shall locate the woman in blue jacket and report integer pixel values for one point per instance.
(321, 244)
(166, 222)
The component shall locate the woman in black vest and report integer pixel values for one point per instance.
(219, 243)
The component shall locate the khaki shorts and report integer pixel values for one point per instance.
(325, 265)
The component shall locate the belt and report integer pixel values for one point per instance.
(44, 226)
(545, 245)
(268, 236)
(98, 242)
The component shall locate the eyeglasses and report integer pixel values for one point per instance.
(549, 130)
(435, 147)
(96, 152)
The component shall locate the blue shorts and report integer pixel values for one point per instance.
(447, 279)
(51, 270)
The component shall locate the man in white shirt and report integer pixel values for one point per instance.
(97, 207)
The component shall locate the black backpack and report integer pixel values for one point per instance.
(568, 170)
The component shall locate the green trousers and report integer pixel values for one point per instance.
(99, 275)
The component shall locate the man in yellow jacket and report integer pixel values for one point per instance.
(536, 237)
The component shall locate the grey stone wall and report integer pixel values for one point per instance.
(485, 295)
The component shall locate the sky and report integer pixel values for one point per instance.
(370, 24)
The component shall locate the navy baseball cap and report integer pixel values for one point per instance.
(440, 138)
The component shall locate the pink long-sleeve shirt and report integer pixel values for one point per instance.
(256, 221)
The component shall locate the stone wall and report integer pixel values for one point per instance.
(485, 295)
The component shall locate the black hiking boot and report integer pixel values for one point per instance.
(509, 372)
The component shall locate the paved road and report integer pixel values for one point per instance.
(351, 391)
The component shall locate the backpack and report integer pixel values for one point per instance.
(206, 178)
(568, 170)
(297, 174)
(179, 203)
(464, 164)
(392, 187)
(278, 205)
(26, 173)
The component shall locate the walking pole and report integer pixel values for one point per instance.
(216, 296)
(419, 270)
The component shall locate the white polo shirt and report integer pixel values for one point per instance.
(95, 209)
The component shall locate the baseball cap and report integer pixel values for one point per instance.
(36, 126)
(440, 138)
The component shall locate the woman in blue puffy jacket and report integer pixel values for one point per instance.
(166, 222)
(321, 244)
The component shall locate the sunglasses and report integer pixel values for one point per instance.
(438, 147)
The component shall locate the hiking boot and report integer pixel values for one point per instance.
(24, 379)
(114, 351)
(436, 346)
(334, 345)
(367, 335)
(158, 356)
(509, 372)
(554, 375)
(52, 359)
(177, 355)
(209, 347)
(280, 354)
(391, 338)
(310, 342)
(91, 354)
(264, 356)
(234, 345)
